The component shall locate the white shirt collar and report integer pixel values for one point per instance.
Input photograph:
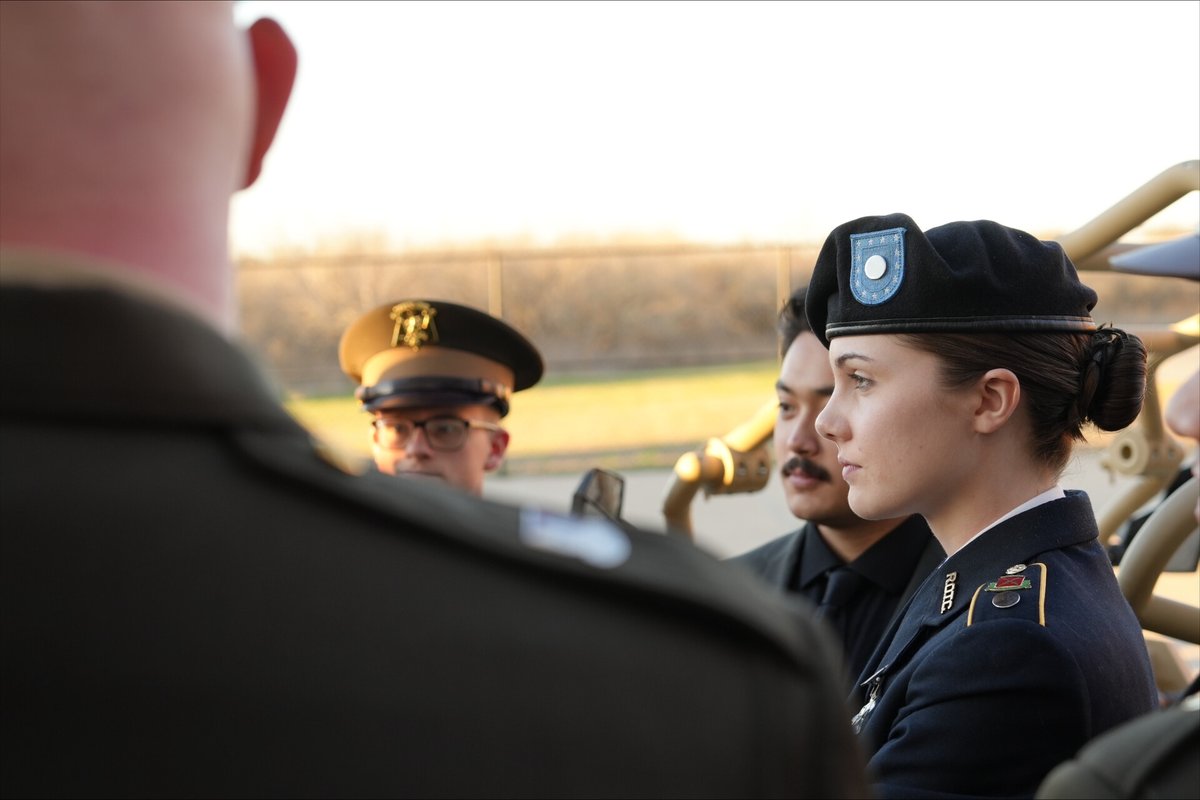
(1053, 493)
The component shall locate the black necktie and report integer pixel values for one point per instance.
(841, 584)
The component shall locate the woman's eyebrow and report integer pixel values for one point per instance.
(844, 357)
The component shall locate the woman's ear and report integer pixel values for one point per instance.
(998, 393)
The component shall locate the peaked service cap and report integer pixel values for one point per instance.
(417, 353)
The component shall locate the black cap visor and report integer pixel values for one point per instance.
(422, 392)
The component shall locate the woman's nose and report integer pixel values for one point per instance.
(829, 423)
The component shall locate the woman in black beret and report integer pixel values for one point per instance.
(966, 363)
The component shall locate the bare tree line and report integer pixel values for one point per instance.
(586, 309)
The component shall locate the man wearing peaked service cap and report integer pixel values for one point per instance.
(437, 377)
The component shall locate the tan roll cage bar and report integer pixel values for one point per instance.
(740, 461)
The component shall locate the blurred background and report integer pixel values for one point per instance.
(419, 125)
(637, 186)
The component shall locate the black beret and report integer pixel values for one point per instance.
(883, 275)
(414, 353)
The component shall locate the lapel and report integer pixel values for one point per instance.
(931, 556)
(780, 563)
(946, 592)
(775, 562)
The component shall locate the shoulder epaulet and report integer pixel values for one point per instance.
(1020, 592)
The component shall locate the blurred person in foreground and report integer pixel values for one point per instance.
(196, 603)
(437, 378)
(857, 572)
(966, 363)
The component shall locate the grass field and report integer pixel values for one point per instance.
(652, 411)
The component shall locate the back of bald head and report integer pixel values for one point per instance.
(127, 126)
(101, 97)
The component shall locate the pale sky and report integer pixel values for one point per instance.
(429, 123)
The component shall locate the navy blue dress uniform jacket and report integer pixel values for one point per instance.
(1035, 653)
(196, 603)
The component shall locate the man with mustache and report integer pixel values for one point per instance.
(857, 572)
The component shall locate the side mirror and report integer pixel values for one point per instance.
(600, 494)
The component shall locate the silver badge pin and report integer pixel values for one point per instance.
(1006, 599)
(874, 685)
(948, 592)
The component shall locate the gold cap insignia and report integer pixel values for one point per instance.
(414, 324)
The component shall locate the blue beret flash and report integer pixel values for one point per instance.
(877, 265)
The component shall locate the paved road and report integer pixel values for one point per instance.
(730, 524)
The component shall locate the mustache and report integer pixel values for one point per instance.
(809, 467)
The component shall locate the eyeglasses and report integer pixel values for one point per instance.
(442, 433)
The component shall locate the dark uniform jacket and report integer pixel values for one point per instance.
(890, 570)
(196, 603)
(1009, 658)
